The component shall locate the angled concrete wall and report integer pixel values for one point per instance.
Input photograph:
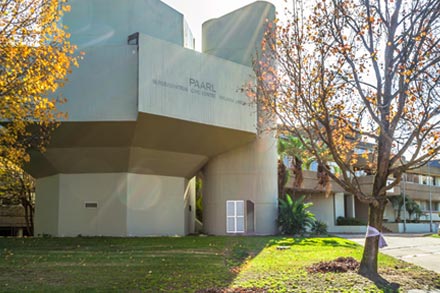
(155, 205)
(104, 87)
(109, 22)
(237, 36)
(184, 84)
(47, 206)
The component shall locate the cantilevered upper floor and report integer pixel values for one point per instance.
(141, 101)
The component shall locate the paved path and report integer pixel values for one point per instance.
(415, 248)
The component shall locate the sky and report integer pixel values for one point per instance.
(197, 12)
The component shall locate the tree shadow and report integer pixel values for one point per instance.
(382, 283)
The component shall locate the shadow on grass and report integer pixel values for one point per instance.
(382, 283)
(334, 242)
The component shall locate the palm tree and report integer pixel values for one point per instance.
(412, 207)
(293, 148)
(397, 203)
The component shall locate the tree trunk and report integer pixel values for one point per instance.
(31, 220)
(282, 179)
(368, 266)
(297, 171)
(26, 217)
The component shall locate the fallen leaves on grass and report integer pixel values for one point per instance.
(232, 290)
(339, 265)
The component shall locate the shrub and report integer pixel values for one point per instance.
(342, 221)
(319, 228)
(294, 216)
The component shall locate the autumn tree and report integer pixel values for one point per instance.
(35, 57)
(342, 73)
(18, 188)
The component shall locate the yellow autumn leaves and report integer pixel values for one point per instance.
(35, 57)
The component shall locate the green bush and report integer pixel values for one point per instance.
(342, 221)
(294, 216)
(319, 228)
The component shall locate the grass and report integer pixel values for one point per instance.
(185, 264)
(436, 235)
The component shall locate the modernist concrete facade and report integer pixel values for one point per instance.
(146, 114)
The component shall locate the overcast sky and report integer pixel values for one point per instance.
(198, 11)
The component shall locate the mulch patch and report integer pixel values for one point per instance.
(339, 265)
(232, 290)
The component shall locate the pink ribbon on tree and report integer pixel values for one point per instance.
(373, 232)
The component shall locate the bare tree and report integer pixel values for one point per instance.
(343, 73)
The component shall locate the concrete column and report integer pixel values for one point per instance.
(339, 205)
(350, 205)
(247, 173)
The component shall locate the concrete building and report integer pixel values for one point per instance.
(146, 114)
(420, 185)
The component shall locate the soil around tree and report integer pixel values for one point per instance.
(339, 265)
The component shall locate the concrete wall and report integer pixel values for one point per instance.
(389, 213)
(323, 208)
(104, 87)
(110, 22)
(327, 209)
(350, 205)
(237, 36)
(361, 210)
(348, 229)
(155, 205)
(126, 205)
(184, 84)
(339, 205)
(412, 227)
(107, 190)
(47, 206)
(190, 206)
(247, 173)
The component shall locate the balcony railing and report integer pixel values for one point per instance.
(420, 191)
(310, 183)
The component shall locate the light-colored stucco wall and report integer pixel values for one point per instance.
(107, 190)
(110, 22)
(247, 173)
(323, 208)
(47, 206)
(155, 205)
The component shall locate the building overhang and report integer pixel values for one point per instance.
(151, 145)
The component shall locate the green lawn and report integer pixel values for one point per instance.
(187, 264)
